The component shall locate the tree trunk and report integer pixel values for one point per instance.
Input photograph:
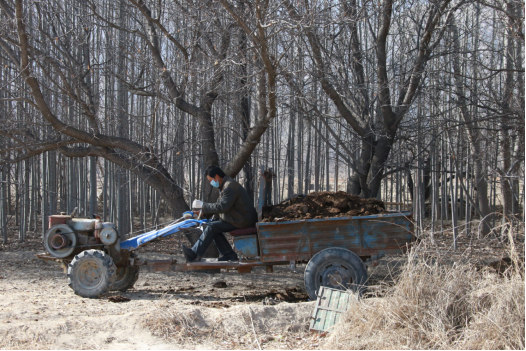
(474, 137)
(3, 203)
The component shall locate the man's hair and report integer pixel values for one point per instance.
(212, 171)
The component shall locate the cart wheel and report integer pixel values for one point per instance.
(91, 273)
(60, 241)
(336, 268)
(125, 278)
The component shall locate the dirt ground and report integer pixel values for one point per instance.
(39, 311)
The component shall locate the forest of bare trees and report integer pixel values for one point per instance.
(116, 107)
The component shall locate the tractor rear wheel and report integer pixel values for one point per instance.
(336, 268)
(125, 278)
(91, 273)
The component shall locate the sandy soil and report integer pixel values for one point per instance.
(39, 310)
(172, 310)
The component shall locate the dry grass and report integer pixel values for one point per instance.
(433, 306)
(250, 326)
(24, 339)
(178, 324)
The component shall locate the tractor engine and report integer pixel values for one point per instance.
(68, 236)
(90, 250)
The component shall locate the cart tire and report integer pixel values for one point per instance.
(125, 278)
(91, 273)
(336, 268)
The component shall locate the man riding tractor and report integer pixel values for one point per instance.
(235, 210)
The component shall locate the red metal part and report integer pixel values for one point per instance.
(58, 219)
(98, 228)
(244, 231)
(58, 241)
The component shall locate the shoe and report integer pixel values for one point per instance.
(189, 254)
(228, 257)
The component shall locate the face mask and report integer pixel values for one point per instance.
(214, 183)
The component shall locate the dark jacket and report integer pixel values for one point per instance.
(233, 205)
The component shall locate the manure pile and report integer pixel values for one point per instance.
(322, 204)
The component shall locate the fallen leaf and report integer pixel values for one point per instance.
(118, 298)
(186, 288)
(220, 285)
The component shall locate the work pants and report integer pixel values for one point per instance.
(214, 232)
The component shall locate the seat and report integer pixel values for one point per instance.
(243, 232)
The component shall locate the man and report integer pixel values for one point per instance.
(235, 210)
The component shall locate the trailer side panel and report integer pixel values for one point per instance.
(364, 235)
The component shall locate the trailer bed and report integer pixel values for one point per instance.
(366, 236)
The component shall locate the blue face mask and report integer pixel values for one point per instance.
(214, 183)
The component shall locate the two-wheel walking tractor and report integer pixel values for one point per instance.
(98, 259)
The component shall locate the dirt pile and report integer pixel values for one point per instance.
(321, 205)
(238, 327)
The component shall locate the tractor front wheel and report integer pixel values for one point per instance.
(91, 273)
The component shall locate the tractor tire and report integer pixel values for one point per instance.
(91, 273)
(125, 278)
(336, 268)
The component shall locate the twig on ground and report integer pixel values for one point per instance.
(253, 328)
